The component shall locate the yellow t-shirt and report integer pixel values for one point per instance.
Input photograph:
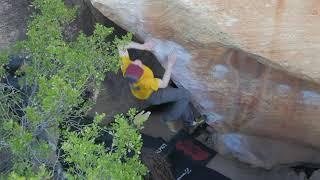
(145, 85)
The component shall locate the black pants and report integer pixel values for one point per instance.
(179, 101)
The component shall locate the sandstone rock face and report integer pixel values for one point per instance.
(238, 91)
(263, 152)
(285, 33)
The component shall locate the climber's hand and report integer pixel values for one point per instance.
(149, 44)
(172, 58)
(140, 118)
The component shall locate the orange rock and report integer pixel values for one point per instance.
(273, 96)
(285, 33)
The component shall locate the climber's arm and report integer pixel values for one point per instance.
(134, 45)
(163, 83)
(148, 45)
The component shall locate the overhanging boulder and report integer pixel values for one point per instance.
(286, 33)
(219, 44)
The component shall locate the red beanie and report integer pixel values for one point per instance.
(133, 73)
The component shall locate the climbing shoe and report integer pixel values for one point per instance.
(171, 126)
(197, 121)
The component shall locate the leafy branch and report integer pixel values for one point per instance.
(53, 80)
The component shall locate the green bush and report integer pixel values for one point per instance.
(56, 74)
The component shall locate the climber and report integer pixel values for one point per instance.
(144, 86)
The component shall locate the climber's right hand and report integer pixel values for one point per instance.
(149, 44)
(172, 58)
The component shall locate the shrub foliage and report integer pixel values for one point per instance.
(50, 97)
